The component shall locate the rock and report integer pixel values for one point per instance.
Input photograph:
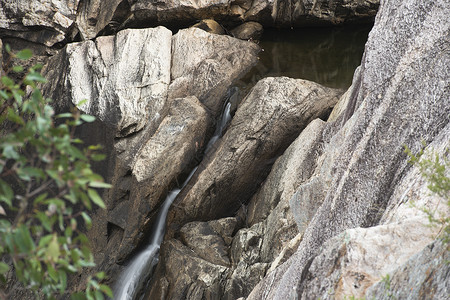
(210, 26)
(248, 31)
(295, 166)
(124, 78)
(45, 22)
(188, 276)
(353, 261)
(389, 107)
(1, 57)
(311, 12)
(178, 12)
(205, 65)
(179, 134)
(423, 276)
(205, 242)
(243, 279)
(266, 122)
(96, 17)
(273, 234)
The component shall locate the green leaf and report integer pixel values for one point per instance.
(14, 117)
(99, 295)
(17, 69)
(87, 118)
(87, 219)
(78, 296)
(63, 280)
(96, 198)
(4, 94)
(8, 82)
(53, 252)
(64, 115)
(98, 157)
(52, 272)
(3, 268)
(35, 77)
(6, 193)
(17, 96)
(100, 184)
(24, 54)
(23, 240)
(105, 289)
(10, 152)
(43, 242)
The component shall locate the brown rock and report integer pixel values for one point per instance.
(248, 31)
(210, 26)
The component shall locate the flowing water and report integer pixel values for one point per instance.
(141, 267)
(328, 56)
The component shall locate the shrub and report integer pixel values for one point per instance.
(46, 187)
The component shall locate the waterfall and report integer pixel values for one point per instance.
(141, 268)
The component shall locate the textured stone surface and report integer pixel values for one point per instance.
(389, 106)
(205, 65)
(423, 276)
(248, 31)
(154, 170)
(188, 276)
(123, 78)
(210, 26)
(203, 240)
(266, 122)
(46, 22)
(295, 166)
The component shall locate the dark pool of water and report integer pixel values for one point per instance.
(328, 56)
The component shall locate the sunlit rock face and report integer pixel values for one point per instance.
(388, 106)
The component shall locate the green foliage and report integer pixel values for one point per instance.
(434, 169)
(46, 186)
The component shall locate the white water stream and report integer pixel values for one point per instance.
(141, 267)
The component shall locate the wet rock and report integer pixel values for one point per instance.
(210, 26)
(389, 107)
(248, 31)
(123, 78)
(44, 22)
(266, 122)
(205, 65)
(179, 134)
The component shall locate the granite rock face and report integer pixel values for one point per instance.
(205, 65)
(125, 78)
(130, 82)
(389, 106)
(44, 22)
(251, 251)
(266, 122)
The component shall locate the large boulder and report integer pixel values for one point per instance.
(205, 65)
(46, 22)
(266, 122)
(398, 98)
(124, 78)
(203, 252)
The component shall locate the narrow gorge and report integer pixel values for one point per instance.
(256, 148)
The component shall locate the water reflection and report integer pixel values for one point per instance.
(328, 56)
